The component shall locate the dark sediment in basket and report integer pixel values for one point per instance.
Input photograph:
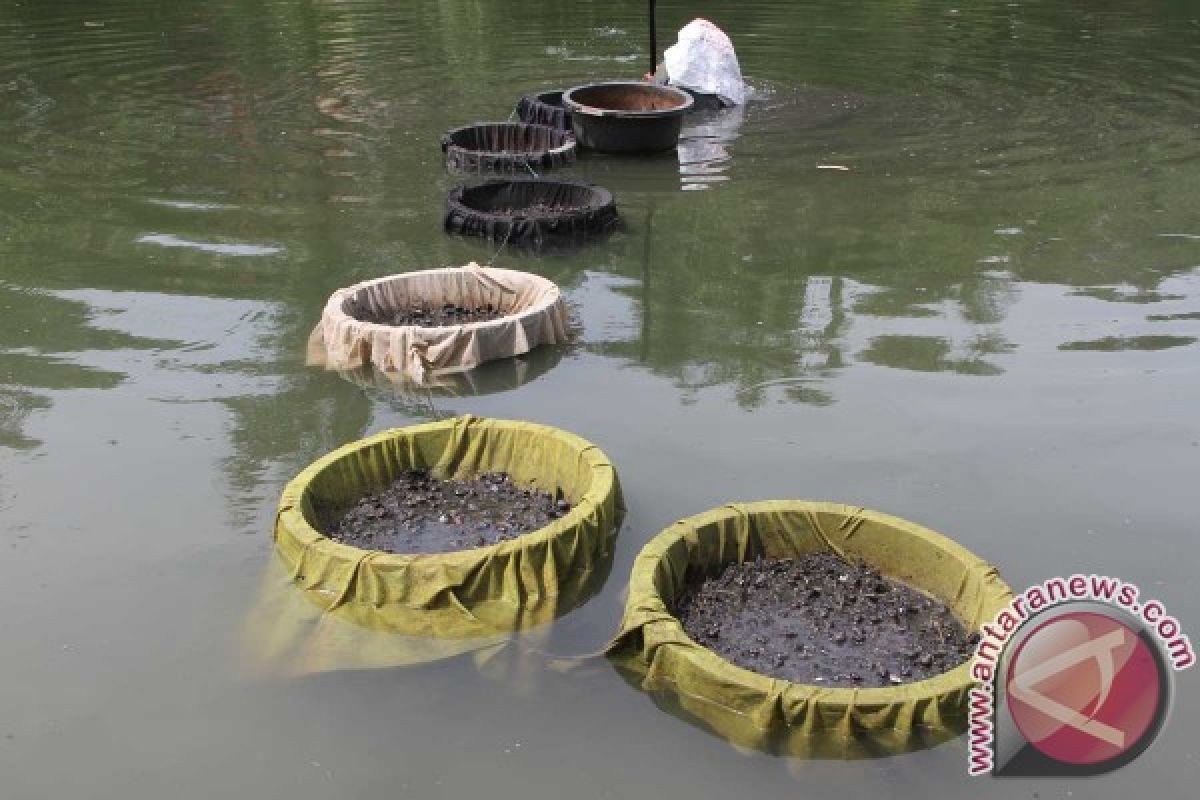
(531, 212)
(507, 147)
(824, 621)
(429, 316)
(418, 513)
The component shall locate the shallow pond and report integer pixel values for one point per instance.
(945, 264)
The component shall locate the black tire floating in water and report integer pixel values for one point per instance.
(544, 108)
(531, 212)
(507, 147)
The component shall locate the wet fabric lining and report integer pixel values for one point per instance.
(545, 108)
(507, 147)
(530, 213)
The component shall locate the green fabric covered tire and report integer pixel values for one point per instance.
(757, 711)
(515, 584)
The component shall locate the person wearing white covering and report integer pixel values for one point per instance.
(704, 63)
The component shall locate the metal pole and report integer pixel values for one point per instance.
(653, 40)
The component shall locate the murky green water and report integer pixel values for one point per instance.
(987, 324)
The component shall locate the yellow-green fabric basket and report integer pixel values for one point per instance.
(508, 586)
(757, 711)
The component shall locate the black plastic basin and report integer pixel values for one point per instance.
(627, 116)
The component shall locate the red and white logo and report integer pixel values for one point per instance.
(1072, 677)
(1084, 688)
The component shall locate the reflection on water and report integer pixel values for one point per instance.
(702, 149)
(835, 323)
(171, 240)
(704, 145)
(934, 354)
(1126, 294)
(1112, 343)
(15, 406)
(285, 635)
(1174, 317)
(504, 375)
(986, 321)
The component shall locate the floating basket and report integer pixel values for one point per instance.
(507, 147)
(347, 339)
(517, 583)
(627, 116)
(754, 710)
(544, 108)
(531, 213)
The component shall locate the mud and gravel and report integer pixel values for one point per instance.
(821, 620)
(431, 316)
(418, 513)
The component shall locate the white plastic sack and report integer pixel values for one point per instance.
(703, 60)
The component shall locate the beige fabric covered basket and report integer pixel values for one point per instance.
(533, 307)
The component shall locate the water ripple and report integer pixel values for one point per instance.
(221, 248)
